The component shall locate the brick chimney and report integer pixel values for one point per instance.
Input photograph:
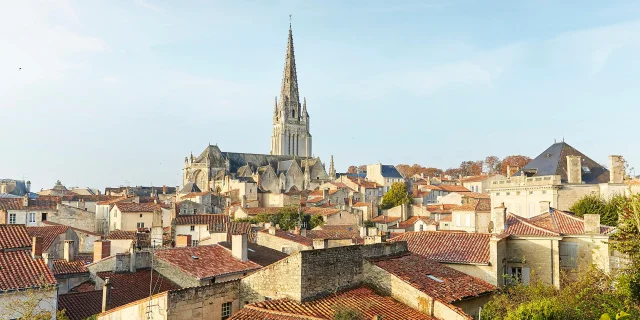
(106, 295)
(592, 223)
(499, 219)
(36, 247)
(101, 249)
(68, 250)
(574, 170)
(616, 169)
(239, 247)
(183, 240)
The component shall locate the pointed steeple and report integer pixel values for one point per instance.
(289, 98)
(332, 170)
(304, 115)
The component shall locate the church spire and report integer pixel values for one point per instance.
(332, 170)
(289, 99)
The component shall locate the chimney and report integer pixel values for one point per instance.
(325, 194)
(28, 186)
(132, 258)
(25, 200)
(183, 240)
(545, 206)
(48, 261)
(574, 170)
(272, 230)
(106, 295)
(499, 219)
(164, 189)
(36, 247)
(68, 250)
(616, 169)
(592, 223)
(296, 230)
(101, 249)
(239, 247)
(320, 243)
(508, 171)
(303, 232)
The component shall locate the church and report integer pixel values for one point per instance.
(290, 166)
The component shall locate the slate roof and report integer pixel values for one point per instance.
(190, 187)
(261, 255)
(389, 171)
(453, 285)
(553, 161)
(14, 236)
(212, 261)
(48, 234)
(449, 247)
(126, 288)
(21, 271)
(362, 298)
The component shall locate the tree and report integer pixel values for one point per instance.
(286, 217)
(514, 161)
(28, 304)
(491, 164)
(453, 172)
(315, 221)
(352, 170)
(396, 196)
(607, 209)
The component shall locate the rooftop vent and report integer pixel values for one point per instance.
(251, 250)
(194, 257)
(585, 169)
(434, 278)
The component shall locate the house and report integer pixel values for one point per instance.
(25, 276)
(200, 202)
(83, 239)
(560, 175)
(196, 266)
(480, 183)
(384, 175)
(332, 216)
(130, 216)
(53, 238)
(210, 227)
(14, 188)
(70, 270)
(459, 198)
(415, 223)
(370, 191)
(122, 241)
(248, 213)
(25, 211)
(474, 216)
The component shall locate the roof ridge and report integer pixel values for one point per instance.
(282, 313)
(531, 224)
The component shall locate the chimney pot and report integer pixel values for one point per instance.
(239, 247)
(69, 253)
(106, 295)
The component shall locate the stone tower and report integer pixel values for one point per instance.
(290, 135)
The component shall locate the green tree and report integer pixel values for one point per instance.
(315, 221)
(396, 196)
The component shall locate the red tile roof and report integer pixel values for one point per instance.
(214, 221)
(475, 195)
(18, 204)
(385, 219)
(361, 204)
(453, 285)
(321, 211)
(49, 234)
(477, 178)
(453, 188)
(520, 226)
(14, 236)
(137, 207)
(126, 288)
(20, 271)
(411, 221)
(194, 194)
(62, 267)
(291, 237)
(440, 208)
(476, 205)
(449, 247)
(363, 299)
(121, 235)
(334, 234)
(212, 261)
(240, 228)
(564, 223)
(73, 228)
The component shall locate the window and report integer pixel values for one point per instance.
(544, 191)
(520, 274)
(226, 310)
(194, 243)
(193, 228)
(12, 218)
(468, 220)
(530, 192)
(140, 225)
(497, 193)
(32, 217)
(508, 193)
(195, 211)
(421, 227)
(141, 215)
(44, 216)
(568, 255)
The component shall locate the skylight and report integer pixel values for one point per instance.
(585, 169)
(434, 278)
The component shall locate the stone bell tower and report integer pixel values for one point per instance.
(290, 134)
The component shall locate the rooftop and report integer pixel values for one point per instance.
(362, 298)
(261, 255)
(204, 262)
(48, 234)
(21, 271)
(291, 237)
(449, 247)
(14, 236)
(411, 221)
(137, 207)
(64, 267)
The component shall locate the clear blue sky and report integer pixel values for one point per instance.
(115, 91)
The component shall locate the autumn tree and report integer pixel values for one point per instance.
(514, 161)
(471, 168)
(396, 196)
(452, 172)
(492, 164)
(352, 170)
(416, 169)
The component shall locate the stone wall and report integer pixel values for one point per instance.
(570, 194)
(149, 308)
(75, 217)
(541, 256)
(277, 243)
(279, 280)
(329, 270)
(174, 274)
(592, 249)
(343, 218)
(203, 302)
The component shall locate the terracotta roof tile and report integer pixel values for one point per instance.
(453, 285)
(335, 235)
(62, 267)
(363, 183)
(216, 222)
(564, 223)
(137, 207)
(126, 288)
(449, 247)
(14, 236)
(234, 227)
(385, 219)
(195, 194)
(440, 208)
(19, 270)
(411, 221)
(121, 235)
(212, 261)
(18, 204)
(49, 234)
(112, 200)
(477, 178)
(363, 299)
(520, 226)
(453, 188)
(475, 195)
(361, 204)
(291, 237)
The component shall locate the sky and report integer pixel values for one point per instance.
(108, 93)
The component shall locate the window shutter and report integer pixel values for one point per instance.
(525, 275)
